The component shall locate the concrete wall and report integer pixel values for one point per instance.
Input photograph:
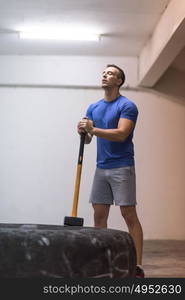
(78, 71)
(39, 146)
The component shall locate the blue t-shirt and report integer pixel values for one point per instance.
(106, 115)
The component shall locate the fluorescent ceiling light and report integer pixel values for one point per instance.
(59, 35)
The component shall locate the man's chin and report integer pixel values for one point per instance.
(104, 85)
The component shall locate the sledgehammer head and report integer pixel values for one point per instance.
(73, 221)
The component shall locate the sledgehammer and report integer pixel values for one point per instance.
(73, 220)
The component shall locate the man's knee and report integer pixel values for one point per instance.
(101, 215)
(129, 214)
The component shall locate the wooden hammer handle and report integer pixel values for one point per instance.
(78, 176)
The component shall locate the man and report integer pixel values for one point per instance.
(112, 120)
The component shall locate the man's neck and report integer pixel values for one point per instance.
(111, 94)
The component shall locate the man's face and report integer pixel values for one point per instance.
(110, 78)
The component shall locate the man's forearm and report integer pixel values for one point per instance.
(118, 134)
(114, 135)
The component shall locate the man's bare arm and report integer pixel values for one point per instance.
(119, 134)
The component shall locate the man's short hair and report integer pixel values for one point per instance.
(121, 73)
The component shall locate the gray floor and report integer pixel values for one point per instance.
(164, 258)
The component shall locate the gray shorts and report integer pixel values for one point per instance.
(116, 185)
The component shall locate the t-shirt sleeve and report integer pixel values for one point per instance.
(129, 111)
(89, 113)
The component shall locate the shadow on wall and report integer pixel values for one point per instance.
(172, 84)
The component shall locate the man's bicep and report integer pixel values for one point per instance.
(126, 125)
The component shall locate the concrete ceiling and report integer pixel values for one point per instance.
(125, 25)
(128, 28)
(179, 61)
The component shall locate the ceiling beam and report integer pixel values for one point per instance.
(166, 42)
